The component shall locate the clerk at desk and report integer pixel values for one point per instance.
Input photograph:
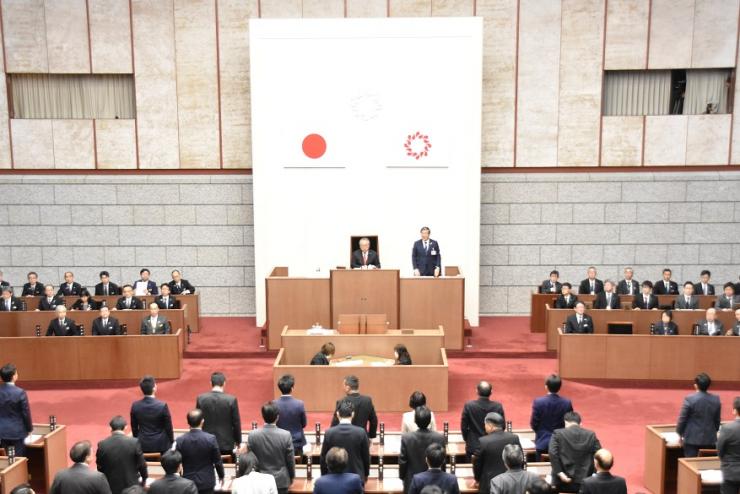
(364, 257)
(425, 256)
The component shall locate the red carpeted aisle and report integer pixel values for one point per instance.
(503, 352)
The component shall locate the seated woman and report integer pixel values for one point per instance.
(408, 424)
(666, 326)
(402, 355)
(322, 358)
(86, 302)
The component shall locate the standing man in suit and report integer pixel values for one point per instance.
(221, 415)
(571, 452)
(50, 301)
(666, 286)
(9, 303)
(274, 449)
(165, 300)
(566, 300)
(349, 437)
(80, 478)
(687, 301)
(472, 422)
(728, 299)
(364, 257)
(15, 413)
(548, 414)
(179, 286)
(105, 287)
(434, 476)
(61, 325)
(646, 301)
(200, 455)
(426, 258)
(604, 482)
(704, 287)
(33, 288)
(591, 284)
(699, 419)
(628, 286)
(120, 458)
(155, 323)
(580, 322)
(488, 460)
(172, 483)
(70, 288)
(728, 446)
(607, 299)
(145, 286)
(516, 479)
(551, 285)
(105, 325)
(711, 326)
(363, 409)
(414, 445)
(151, 422)
(291, 412)
(128, 301)
(337, 481)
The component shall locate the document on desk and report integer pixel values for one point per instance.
(671, 438)
(711, 476)
(380, 364)
(526, 443)
(349, 363)
(32, 438)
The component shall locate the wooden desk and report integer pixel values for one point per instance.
(645, 357)
(431, 302)
(12, 474)
(390, 387)
(662, 452)
(365, 291)
(691, 471)
(46, 456)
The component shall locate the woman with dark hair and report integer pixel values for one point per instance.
(326, 353)
(249, 480)
(666, 326)
(408, 423)
(86, 302)
(402, 355)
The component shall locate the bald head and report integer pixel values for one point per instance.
(603, 460)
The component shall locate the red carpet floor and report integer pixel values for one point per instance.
(617, 413)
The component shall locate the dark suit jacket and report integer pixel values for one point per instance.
(339, 483)
(15, 414)
(354, 440)
(221, 418)
(586, 326)
(669, 329)
(111, 328)
(79, 479)
(15, 305)
(113, 289)
(719, 328)
(162, 326)
(600, 301)
(488, 461)
(425, 260)
(639, 302)
(547, 416)
(604, 483)
(69, 328)
(364, 413)
(200, 455)
(91, 304)
(728, 445)
(173, 484)
(120, 458)
(184, 285)
(692, 304)
(372, 258)
(726, 303)
(736, 329)
(445, 481)
(319, 359)
(659, 288)
(623, 287)
(151, 423)
(136, 304)
(66, 291)
(172, 302)
(44, 303)
(292, 418)
(572, 452)
(412, 459)
(561, 303)
(585, 286)
(699, 289)
(38, 290)
(546, 287)
(699, 419)
(274, 450)
(151, 286)
(473, 418)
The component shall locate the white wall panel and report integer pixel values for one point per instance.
(626, 34)
(24, 30)
(621, 141)
(110, 35)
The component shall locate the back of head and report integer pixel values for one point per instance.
(328, 349)
(195, 418)
(218, 379)
(432, 489)
(147, 384)
(513, 456)
(286, 383)
(435, 455)
(422, 417)
(703, 381)
(572, 417)
(270, 412)
(117, 423)
(248, 463)
(346, 409)
(352, 382)
(80, 451)
(484, 389)
(336, 460)
(495, 420)
(604, 459)
(171, 461)
(553, 383)
(736, 404)
(7, 372)
(22, 489)
(539, 486)
(417, 399)
(134, 489)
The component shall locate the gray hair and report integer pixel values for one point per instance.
(513, 456)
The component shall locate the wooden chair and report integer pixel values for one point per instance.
(349, 323)
(154, 457)
(376, 323)
(703, 453)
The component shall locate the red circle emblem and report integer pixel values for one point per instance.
(417, 145)
(314, 146)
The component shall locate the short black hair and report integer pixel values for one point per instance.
(496, 420)
(104, 273)
(147, 384)
(286, 383)
(195, 417)
(117, 423)
(688, 283)
(736, 404)
(80, 451)
(248, 463)
(353, 382)
(22, 489)
(484, 389)
(705, 272)
(572, 417)
(270, 412)
(730, 285)
(175, 271)
(336, 460)
(164, 285)
(513, 456)
(425, 228)
(417, 399)
(580, 302)
(171, 461)
(667, 270)
(7, 372)
(554, 272)
(435, 455)
(32, 273)
(538, 486)
(218, 379)
(553, 383)
(345, 409)
(566, 284)
(703, 381)
(648, 284)
(143, 270)
(422, 417)
(127, 285)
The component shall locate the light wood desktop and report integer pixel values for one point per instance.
(12, 474)
(698, 475)
(47, 455)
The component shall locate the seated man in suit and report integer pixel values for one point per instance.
(604, 482)
(628, 286)
(666, 326)
(151, 422)
(15, 414)
(165, 300)
(687, 301)
(728, 300)
(548, 414)
(201, 460)
(292, 412)
(33, 288)
(70, 288)
(516, 479)
(711, 326)
(728, 448)
(488, 459)
(61, 325)
(364, 257)
(221, 414)
(128, 301)
(337, 480)
(172, 483)
(273, 448)
(349, 437)
(607, 299)
(566, 300)
(86, 302)
(106, 287)
(591, 284)
(572, 451)
(580, 322)
(414, 444)
(120, 458)
(699, 419)
(49, 301)
(8, 303)
(704, 287)
(646, 301)
(80, 477)
(551, 285)
(105, 325)
(326, 353)
(434, 476)
(472, 422)
(145, 286)
(735, 330)
(666, 286)
(425, 256)
(155, 323)
(363, 409)
(180, 286)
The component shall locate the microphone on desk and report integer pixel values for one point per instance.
(124, 329)
(309, 467)
(508, 426)
(453, 465)
(11, 455)
(380, 468)
(318, 433)
(52, 422)
(254, 425)
(652, 328)
(382, 433)
(446, 432)
(38, 330)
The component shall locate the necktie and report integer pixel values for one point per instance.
(667, 287)
(426, 246)
(166, 302)
(687, 300)
(592, 287)
(105, 322)
(646, 301)
(178, 286)
(580, 318)
(128, 303)
(608, 299)
(7, 304)
(105, 289)
(364, 258)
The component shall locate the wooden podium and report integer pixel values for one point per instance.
(365, 291)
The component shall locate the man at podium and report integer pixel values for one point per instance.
(364, 257)
(425, 255)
